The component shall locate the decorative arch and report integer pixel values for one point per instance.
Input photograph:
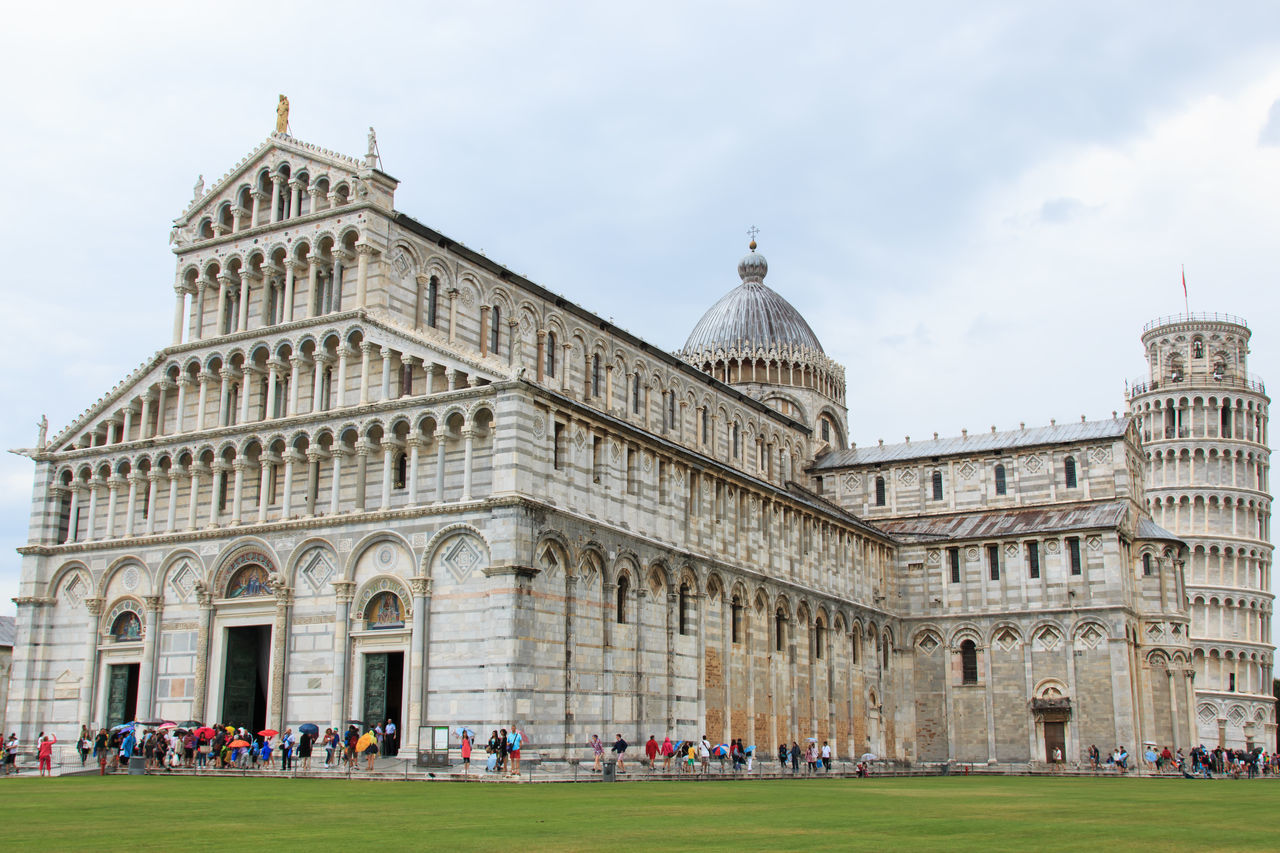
(124, 622)
(383, 602)
(458, 549)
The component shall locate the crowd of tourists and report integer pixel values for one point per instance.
(1200, 762)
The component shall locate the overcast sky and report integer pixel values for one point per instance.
(977, 206)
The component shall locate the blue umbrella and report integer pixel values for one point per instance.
(122, 727)
(751, 749)
(309, 728)
(464, 730)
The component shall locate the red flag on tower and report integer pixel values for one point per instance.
(1186, 303)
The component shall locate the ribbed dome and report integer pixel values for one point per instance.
(751, 316)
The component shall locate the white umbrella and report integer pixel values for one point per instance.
(868, 756)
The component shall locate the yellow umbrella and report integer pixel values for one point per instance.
(366, 740)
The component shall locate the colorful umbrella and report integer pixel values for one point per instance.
(750, 749)
(230, 729)
(464, 730)
(310, 729)
(205, 731)
(167, 725)
(191, 724)
(720, 749)
(367, 740)
(153, 722)
(122, 727)
(268, 733)
(238, 744)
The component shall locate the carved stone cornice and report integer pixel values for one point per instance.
(32, 601)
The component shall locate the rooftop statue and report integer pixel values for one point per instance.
(282, 115)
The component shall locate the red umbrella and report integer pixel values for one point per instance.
(205, 731)
(268, 733)
(237, 744)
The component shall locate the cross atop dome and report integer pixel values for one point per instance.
(752, 232)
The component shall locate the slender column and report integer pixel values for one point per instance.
(363, 449)
(204, 378)
(468, 436)
(279, 653)
(317, 380)
(385, 352)
(220, 291)
(344, 592)
(127, 426)
(179, 416)
(313, 480)
(144, 420)
(225, 376)
(247, 374)
(220, 469)
(363, 251)
(246, 285)
(290, 274)
(291, 457)
(421, 589)
(153, 478)
(276, 181)
(726, 644)
(113, 490)
(388, 455)
(94, 606)
(439, 465)
(365, 348)
(453, 314)
(313, 301)
(484, 330)
(295, 197)
(335, 498)
(166, 385)
(75, 507)
(237, 499)
(131, 509)
(264, 482)
(94, 482)
(295, 365)
(340, 380)
(271, 390)
(258, 197)
(415, 445)
(179, 312)
(202, 285)
(193, 501)
(540, 364)
(146, 672)
(171, 514)
(205, 601)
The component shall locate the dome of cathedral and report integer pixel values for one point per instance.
(751, 316)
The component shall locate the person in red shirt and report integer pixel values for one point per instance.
(651, 752)
(45, 753)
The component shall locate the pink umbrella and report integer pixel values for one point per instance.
(167, 724)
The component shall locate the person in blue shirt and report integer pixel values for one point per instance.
(514, 742)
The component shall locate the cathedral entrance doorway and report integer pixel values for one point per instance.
(244, 686)
(383, 688)
(1055, 737)
(122, 693)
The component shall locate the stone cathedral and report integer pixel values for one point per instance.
(374, 474)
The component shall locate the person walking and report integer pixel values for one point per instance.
(514, 741)
(84, 744)
(286, 750)
(389, 739)
(619, 748)
(651, 752)
(668, 750)
(100, 750)
(704, 755)
(304, 749)
(795, 758)
(502, 750)
(44, 753)
(782, 757)
(466, 753)
(826, 757)
(597, 749)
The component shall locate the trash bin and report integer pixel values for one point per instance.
(610, 773)
(137, 765)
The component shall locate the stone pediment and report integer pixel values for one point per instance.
(212, 210)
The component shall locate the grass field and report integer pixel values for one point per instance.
(956, 814)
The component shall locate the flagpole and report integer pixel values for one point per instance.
(1185, 301)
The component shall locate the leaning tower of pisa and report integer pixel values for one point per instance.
(1203, 420)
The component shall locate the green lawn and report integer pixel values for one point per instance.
(977, 813)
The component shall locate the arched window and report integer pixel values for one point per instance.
(384, 610)
(1069, 468)
(1197, 348)
(855, 649)
(495, 329)
(671, 410)
(937, 485)
(635, 394)
(248, 582)
(1001, 485)
(433, 294)
(819, 639)
(686, 609)
(736, 620)
(624, 590)
(826, 430)
(737, 443)
(968, 662)
(1146, 565)
(127, 628)
(879, 491)
(780, 631)
(595, 375)
(551, 355)
(884, 654)
(402, 470)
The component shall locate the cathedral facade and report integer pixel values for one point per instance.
(375, 475)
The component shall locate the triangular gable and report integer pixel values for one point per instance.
(319, 162)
